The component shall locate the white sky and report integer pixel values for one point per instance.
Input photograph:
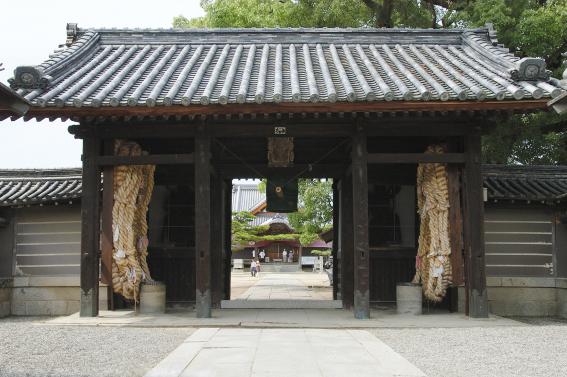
(30, 31)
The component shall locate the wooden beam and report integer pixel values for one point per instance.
(288, 107)
(360, 225)
(474, 228)
(239, 170)
(265, 127)
(90, 229)
(415, 158)
(203, 224)
(156, 159)
(346, 242)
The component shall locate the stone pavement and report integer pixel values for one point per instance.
(282, 286)
(282, 318)
(283, 353)
(289, 290)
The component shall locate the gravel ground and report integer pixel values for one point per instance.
(31, 349)
(529, 351)
(28, 349)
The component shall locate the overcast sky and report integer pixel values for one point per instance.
(30, 30)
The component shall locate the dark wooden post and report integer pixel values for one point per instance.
(346, 242)
(360, 225)
(456, 232)
(335, 240)
(106, 241)
(106, 219)
(90, 228)
(217, 266)
(203, 224)
(474, 228)
(227, 240)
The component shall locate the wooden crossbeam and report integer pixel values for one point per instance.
(415, 158)
(156, 159)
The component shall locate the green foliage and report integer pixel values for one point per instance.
(315, 213)
(276, 13)
(321, 253)
(527, 27)
(528, 139)
(243, 232)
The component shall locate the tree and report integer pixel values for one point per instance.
(527, 27)
(243, 232)
(315, 213)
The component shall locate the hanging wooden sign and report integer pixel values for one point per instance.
(281, 194)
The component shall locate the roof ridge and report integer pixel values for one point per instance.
(281, 29)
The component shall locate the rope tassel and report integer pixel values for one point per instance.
(433, 265)
(133, 187)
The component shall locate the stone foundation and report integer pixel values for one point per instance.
(48, 296)
(5, 296)
(524, 296)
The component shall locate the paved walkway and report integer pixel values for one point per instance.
(283, 353)
(289, 318)
(282, 286)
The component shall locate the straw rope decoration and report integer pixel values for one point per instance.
(433, 265)
(133, 186)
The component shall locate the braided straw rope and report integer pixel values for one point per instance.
(133, 186)
(433, 266)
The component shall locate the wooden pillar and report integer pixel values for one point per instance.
(217, 266)
(474, 228)
(203, 224)
(106, 243)
(227, 240)
(90, 228)
(346, 243)
(335, 240)
(360, 225)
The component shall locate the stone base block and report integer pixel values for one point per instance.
(50, 300)
(522, 301)
(562, 302)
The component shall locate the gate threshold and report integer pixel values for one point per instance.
(281, 304)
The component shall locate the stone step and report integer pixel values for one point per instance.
(291, 267)
(281, 304)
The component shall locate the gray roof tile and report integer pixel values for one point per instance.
(30, 186)
(537, 183)
(223, 66)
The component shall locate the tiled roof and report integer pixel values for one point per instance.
(246, 196)
(21, 187)
(125, 68)
(533, 183)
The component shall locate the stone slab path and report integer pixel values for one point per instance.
(298, 290)
(288, 318)
(284, 286)
(283, 353)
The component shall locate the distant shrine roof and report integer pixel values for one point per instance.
(125, 69)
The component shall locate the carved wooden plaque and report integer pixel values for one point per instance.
(280, 152)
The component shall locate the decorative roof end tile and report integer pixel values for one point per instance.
(27, 77)
(72, 33)
(530, 69)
